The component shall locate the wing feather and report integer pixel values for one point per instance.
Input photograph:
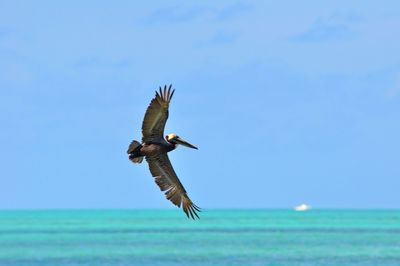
(166, 178)
(156, 116)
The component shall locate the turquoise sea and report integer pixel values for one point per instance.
(221, 237)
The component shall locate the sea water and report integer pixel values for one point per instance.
(220, 237)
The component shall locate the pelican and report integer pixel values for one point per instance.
(155, 148)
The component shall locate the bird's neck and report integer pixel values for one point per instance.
(172, 146)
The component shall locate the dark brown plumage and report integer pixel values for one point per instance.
(155, 148)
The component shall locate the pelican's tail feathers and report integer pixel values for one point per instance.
(132, 147)
(134, 152)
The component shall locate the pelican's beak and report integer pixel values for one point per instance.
(183, 142)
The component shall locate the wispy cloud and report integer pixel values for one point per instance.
(325, 30)
(175, 14)
(233, 10)
(180, 13)
(223, 37)
(97, 62)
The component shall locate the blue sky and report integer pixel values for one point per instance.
(289, 102)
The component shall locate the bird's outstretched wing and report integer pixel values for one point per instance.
(166, 178)
(156, 116)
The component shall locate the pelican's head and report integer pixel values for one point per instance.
(175, 139)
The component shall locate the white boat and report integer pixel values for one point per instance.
(302, 207)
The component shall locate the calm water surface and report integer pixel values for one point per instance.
(221, 237)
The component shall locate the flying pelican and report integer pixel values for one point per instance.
(155, 148)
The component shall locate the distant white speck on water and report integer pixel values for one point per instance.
(302, 207)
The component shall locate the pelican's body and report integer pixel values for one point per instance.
(155, 148)
(149, 149)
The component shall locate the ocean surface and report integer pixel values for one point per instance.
(221, 237)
